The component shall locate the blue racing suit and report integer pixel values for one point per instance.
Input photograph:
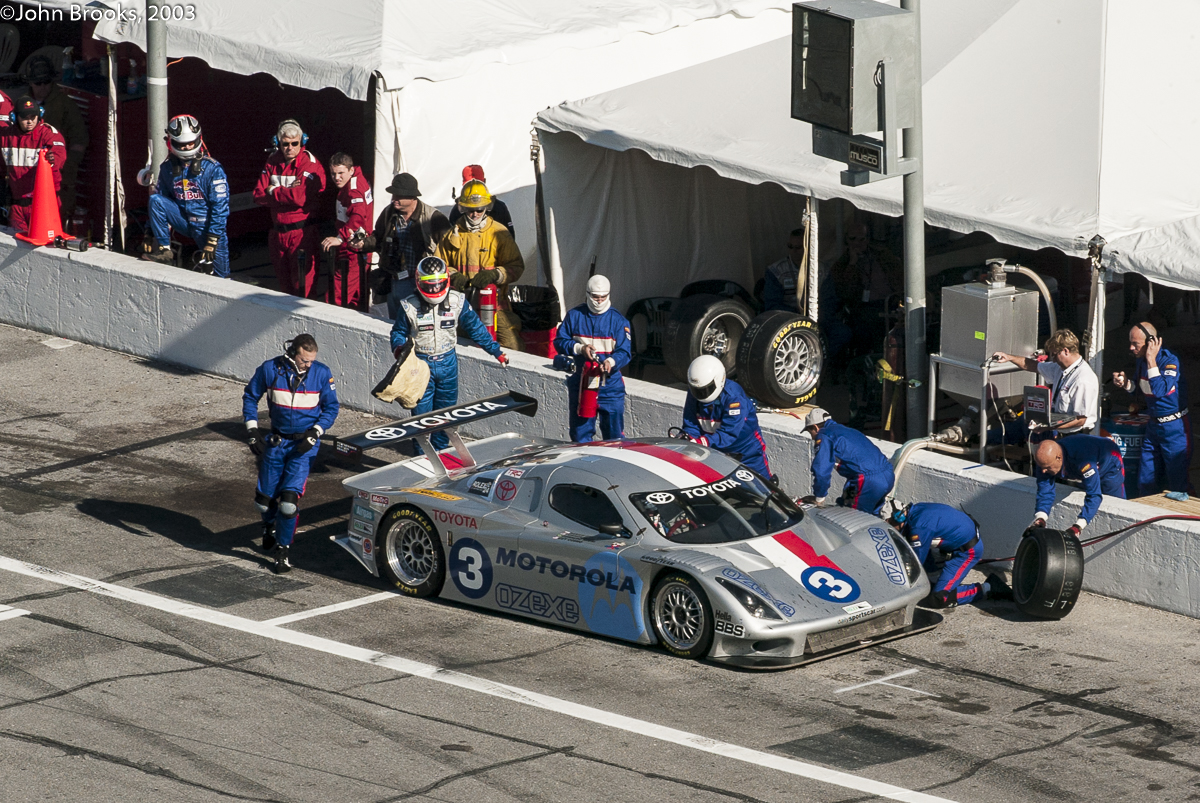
(608, 334)
(193, 199)
(296, 402)
(434, 332)
(1096, 461)
(1167, 446)
(728, 423)
(869, 475)
(960, 545)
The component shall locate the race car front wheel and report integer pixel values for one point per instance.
(682, 616)
(411, 552)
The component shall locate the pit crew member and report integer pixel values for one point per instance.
(354, 203)
(598, 336)
(1075, 390)
(932, 528)
(430, 317)
(290, 186)
(869, 475)
(191, 197)
(302, 402)
(27, 135)
(1167, 445)
(1094, 460)
(719, 414)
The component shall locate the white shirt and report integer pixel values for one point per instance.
(1075, 390)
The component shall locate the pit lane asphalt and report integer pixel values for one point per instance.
(134, 474)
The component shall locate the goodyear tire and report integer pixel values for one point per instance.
(681, 616)
(409, 552)
(780, 359)
(704, 324)
(1047, 573)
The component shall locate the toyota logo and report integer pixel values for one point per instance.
(384, 433)
(660, 498)
(744, 475)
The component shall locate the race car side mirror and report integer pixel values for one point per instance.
(613, 529)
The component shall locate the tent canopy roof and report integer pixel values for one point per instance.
(316, 44)
(1046, 122)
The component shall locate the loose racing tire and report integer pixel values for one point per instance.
(1047, 573)
(681, 616)
(704, 324)
(780, 359)
(409, 553)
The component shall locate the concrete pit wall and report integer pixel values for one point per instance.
(228, 328)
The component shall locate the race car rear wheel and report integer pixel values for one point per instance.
(410, 555)
(682, 616)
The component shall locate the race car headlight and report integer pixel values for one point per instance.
(753, 603)
(911, 565)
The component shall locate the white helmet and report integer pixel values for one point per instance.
(816, 417)
(598, 289)
(706, 378)
(183, 137)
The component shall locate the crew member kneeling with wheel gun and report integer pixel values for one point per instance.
(720, 415)
(303, 403)
(934, 528)
(869, 475)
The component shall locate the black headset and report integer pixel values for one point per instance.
(1146, 332)
(303, 136)
(12, 115)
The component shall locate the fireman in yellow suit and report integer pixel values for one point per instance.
(479, 251)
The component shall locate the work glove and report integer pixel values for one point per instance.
(309, 442)
(502, 358)
(255, 441)
(1075, 530)
(209, 252)
(460, 281)
(485, 277)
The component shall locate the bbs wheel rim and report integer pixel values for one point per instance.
(679, 615)
(721, 336)
(411, 553)
(798, 363)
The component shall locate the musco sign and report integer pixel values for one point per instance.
(446, 418)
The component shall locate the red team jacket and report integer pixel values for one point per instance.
(300, 183)
(354, 207)
(20, 153)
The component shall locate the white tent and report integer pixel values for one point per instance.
(460, 80)
(1046, 122)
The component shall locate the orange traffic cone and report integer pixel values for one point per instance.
(45, 224)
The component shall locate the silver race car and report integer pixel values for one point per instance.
(647, 540)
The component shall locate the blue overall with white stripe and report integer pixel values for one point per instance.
(193, 202)
(728, 423)
(1167, 445)
(296, 402)
(960, 541)
(1093, 460)
(868, 473)
(608, 334)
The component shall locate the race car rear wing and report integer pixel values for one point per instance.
(448, 419)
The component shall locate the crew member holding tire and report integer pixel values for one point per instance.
(719, 414)
(303, 404)
(955, 535)
(1094, 460)
(431, 317)
(598, 337)
(1167, 446)
(869, 475)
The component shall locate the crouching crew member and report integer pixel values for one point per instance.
(303, 404)
(869, 475)
(1167, 446)
(933, 528)
(430, 318)
(597, 336)
(290, 186)
(1096, 461)
(719, 414)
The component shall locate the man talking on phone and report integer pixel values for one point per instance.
(1167, 446)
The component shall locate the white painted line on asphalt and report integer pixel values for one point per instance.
(905, 673)
(11, 613)
(471, 683)
(339, 606)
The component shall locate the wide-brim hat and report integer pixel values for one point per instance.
(404, 185)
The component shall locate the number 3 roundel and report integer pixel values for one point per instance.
(830, 584)
(470, 568)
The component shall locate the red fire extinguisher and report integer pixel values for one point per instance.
(487, 308)
(590, 380)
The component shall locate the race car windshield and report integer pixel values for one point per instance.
(735, 508)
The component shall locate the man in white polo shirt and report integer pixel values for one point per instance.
(1074, 388)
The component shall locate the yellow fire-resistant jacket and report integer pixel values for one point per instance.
(491, 247)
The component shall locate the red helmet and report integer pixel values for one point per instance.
(433, 280)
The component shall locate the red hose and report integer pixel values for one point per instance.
(1113, 534)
